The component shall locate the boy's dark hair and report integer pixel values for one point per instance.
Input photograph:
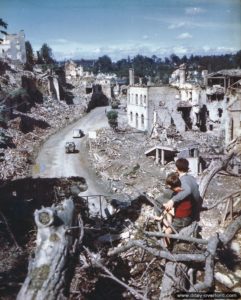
(173, 180)
(182, 164)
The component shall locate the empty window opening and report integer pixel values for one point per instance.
(131, 116)
(220, 112)
(142, 120)
(185, 111)
(141, 101)
(137, 119)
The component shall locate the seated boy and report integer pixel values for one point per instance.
(166, 219)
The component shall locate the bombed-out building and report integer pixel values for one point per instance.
(192, 100)
(233, 113)
(13, 47)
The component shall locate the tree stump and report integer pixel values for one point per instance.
(47, 268)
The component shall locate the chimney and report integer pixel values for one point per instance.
(131, 76)
(205, 77)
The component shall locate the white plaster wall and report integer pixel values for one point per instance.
(13, 47)
(213, 110)
(106, 89)
(194, 165)
(138, 105)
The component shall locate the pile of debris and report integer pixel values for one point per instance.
(120, 160)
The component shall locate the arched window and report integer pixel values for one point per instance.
(144, 99)
(137, 120)
(141, 100)
(142, 120)
(131, 116)
(136, 99)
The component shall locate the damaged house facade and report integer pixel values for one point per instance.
(233, 113)
(192, 100)
(13, 47)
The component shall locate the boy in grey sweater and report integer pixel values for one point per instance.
(189, 189)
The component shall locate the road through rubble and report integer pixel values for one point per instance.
(53, 162)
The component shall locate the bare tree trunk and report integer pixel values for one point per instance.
(212, 170)
(174, 280)
(47, 269)
(175, 277)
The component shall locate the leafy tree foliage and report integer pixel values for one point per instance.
(160, 69)
(45, 55)
(3, 25)
(29, 53)
(103, 65)
(237, 59)
(112, 116)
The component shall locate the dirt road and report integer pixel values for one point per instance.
(52, 161)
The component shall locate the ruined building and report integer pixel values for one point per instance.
(148, 106)
(233, 113)
(72, 70)
(13, 47)
(192, 100)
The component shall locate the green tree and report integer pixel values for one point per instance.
(29, 53)
(175, 59)
(103, 64)
(112, 116)
(3, 25)
(237, 59)
(46, 54)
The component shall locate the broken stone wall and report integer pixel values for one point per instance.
(216, 115)
(107, 90)
(165, 96)
(13, 47)
(233, 117)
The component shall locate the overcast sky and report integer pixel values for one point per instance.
(118, 28)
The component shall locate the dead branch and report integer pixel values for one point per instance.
(230, 232)
(233, 194)
(158, 253)
(174, 280)
(10, 231)
(110, 275)
(212, 170)
(228, 173)
(225, 238)
(209, 266)
(176, 237)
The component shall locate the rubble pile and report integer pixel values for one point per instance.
(120, 160)
(78, 88)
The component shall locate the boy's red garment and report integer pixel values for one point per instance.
(183, 209)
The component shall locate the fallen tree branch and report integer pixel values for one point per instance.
(230, 232)
(228, 173)
(212, 170)
(158, 253)
(176, 237)
(110, 275)
(209, 266)
(10, 231)
(233, 194)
